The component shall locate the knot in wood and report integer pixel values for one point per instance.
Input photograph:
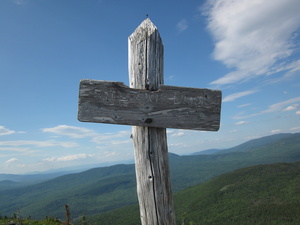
(148, 120)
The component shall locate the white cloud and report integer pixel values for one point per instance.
(244, 105)
(99, 139)
(5, 131)
(233, 131)
(39, 143)
(80, 132)
(275, 131)
(291, 107)
(170, 78)
(69, 157)
(298, 112)
(272, 108)
(295, 128)
(177, 134)
(122, 142)
(178, 145)
(71, 131)
(182, 25)
(234, 96)
(108, 154)
(241, 123)
(14, 149)
(11, 160)
(280, 105)
(255, 37)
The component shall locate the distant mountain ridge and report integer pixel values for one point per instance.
(115, 186)
(207, 152)
(255, 143)
(35, 177)
(31, 177)
(43, 176)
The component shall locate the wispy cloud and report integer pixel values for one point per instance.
(19, 2)
(241, 123)
(295, 128)
(121, 142)
(5, 131)
(280, 105)
(234, 96)
(81, 132)
(113, 137)
(69, 157)
(291, 107)
(10, 161)
(182, 25)
(71, 131)
(110, 154)
(254, 38)
(277, 107)
(39, 143)
(275, 131)
(13, 149)
(244, 105)
(17, 151)
(177, 134)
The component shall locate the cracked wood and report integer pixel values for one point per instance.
(168, 107)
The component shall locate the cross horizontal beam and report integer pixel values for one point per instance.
(169, 107)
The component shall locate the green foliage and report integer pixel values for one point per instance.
(128, 215)
(84, 220)
(263, 195)
(104, 189)
(187, 171)
(92, 191)
(47, 221)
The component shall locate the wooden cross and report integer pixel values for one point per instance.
(150, 107)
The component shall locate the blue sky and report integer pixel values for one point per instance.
(249, 49)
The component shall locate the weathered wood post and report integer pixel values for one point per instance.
(145, 62)
(150, 107)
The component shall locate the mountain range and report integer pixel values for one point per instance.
(260, 195)
(106, 188)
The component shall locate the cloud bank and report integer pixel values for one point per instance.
(254, 38)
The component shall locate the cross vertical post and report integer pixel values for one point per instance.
(150, 107)
(145, 65)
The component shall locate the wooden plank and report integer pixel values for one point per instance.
(150, 144)
(169, 107)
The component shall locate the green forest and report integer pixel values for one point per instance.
(28, 221)
(263, 195)
(257, 182)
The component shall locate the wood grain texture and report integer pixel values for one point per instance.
(150, 144)
(151, 107)
(169, 107)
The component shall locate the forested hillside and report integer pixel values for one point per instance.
(260, 195)
(107, 188)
